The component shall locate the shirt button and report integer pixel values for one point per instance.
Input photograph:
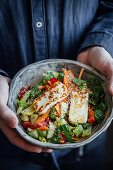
(39, 25)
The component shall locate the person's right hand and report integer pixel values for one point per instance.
(8, 120)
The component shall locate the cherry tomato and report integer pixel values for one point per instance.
(23, 91)
(47, 119)
(53, 80)
(40, 124)
(26, 125)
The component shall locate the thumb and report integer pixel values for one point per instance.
(110, 85)
(8, 116)
(108, 72)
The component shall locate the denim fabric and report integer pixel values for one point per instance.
(66, 27)
(33, 30)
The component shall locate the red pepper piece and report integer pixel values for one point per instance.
(53, 80)
(40, 124)
(26, 125)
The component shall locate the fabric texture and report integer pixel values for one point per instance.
(34, 30)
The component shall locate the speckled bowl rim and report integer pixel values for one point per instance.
(67, 145)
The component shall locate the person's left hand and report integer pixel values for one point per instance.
(100, 59)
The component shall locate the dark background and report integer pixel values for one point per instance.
(109, 148)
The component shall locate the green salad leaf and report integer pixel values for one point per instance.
(85, 125)
(51, 113)
(49, 75)
(102, 106)
(81, 83)
(99, 115)
(86, 132)
(60, 77)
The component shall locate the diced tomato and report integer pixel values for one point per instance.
(91, 116)
(91, 120)
(47, 119)
(53, 80)
(23, 91)
(26, 125)
(63, 138)
(40, 124)
(89, 107)
(28, 87)
(43, 128)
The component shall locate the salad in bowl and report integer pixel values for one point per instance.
(62, 107)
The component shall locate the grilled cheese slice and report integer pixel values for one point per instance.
(78, 112)
(50, 97)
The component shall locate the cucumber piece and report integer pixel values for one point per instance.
(51, 130)
(64, 108)
(33, 118)
(24, 117)
(33, 133)
(29, 111)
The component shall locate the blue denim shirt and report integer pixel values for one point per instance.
(33, 30)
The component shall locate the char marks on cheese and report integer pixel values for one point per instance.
(50, 97)
(78, 112)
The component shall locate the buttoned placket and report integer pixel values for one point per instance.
(39, 29)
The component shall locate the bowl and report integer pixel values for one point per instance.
(32, 74)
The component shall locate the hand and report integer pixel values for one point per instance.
(100, 59)
(8, 120)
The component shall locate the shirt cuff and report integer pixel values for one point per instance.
(98, 39)
(3, 73)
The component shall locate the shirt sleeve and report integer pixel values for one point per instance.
(3, 73)
(101, 31)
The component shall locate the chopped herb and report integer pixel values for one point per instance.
(81, 83)
(99, 115)
(51, 114)
(48, 76)
(60, 77)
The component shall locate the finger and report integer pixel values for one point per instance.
(82, 57)
(108, 72)
(110, 85)
(47, 150)
(8, 116)
(15, 139)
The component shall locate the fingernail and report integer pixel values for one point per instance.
(50, 150)
(39, 150)
(46, 150)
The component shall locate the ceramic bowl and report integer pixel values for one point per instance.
(32, 74)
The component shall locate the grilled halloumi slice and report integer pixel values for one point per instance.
(50, 97)
(78, 112)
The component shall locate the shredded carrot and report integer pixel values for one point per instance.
(58, 109)
(63, 133)
(62, 141)
(68, 77)
(91, 116)
(77, 138)
(47, 86)
(81, 138)
(43, 128)
(91, 108)
(80, 75)
(43, 87)
(43, 117)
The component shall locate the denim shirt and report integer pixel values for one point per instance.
(33, 30)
